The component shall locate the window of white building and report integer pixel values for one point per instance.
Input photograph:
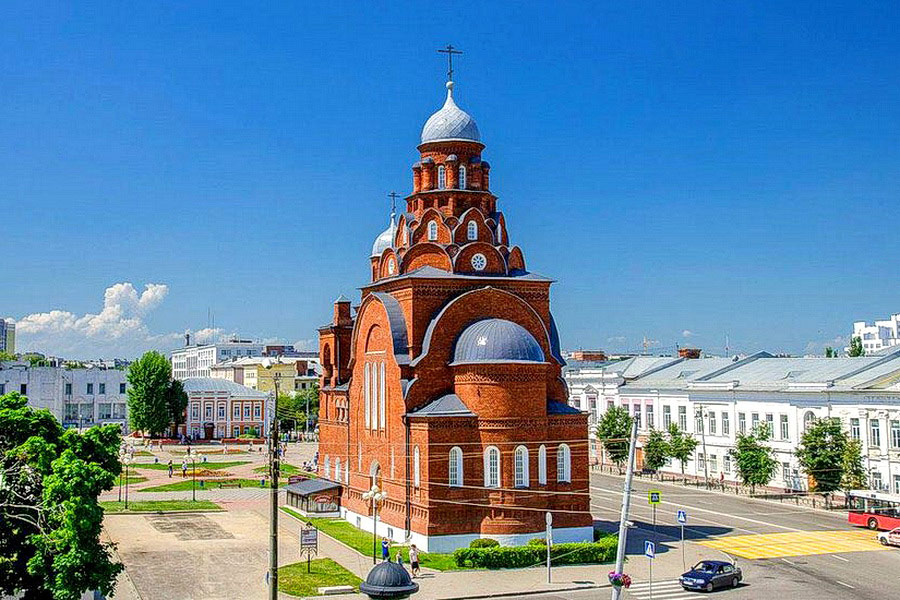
(742, 423)
(726, 425)
(854, 429)
(650, 420)
(895, 434)
(682, 418)
(785, 428)
(875, 433)
(712, 422)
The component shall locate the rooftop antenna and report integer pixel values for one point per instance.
(450, 51)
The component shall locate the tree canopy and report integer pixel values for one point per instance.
(853, 472)
(821, 453)
(754, 460)
(50, 480)
(614, 432)
(856, 347)
(681, 444)
(656, 450)
(154, 400)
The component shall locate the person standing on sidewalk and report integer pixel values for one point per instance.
(170, 468)
(414, 559)
(385, 550)
(184, 468)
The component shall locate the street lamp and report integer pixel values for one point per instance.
(122, 460)
(375, 496)
(127, 460)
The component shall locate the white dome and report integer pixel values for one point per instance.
(450, 123)
(385, 239)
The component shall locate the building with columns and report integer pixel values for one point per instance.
(444, 388)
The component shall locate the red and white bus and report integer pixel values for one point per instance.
(875, 510)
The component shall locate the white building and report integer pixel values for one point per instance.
(714, 399)
(7, 336)
(195, 360)
(76, 397)
(218, 408)
(883, 334)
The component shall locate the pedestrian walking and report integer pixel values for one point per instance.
(170, 468)
(400, 556)
(414, 559)
(184, 468)
(385, 549)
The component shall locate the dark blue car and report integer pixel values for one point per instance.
(708, 575)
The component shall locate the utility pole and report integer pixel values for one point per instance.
(273, 495)
(626, 504)
(703, 437)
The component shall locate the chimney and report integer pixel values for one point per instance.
(342, 311)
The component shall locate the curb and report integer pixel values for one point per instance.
(573, 588)
(164, 512)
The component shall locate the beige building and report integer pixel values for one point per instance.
(294, 374)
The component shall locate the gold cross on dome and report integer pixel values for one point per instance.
(450, 51)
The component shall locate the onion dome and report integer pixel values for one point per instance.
(385, 239)
(388, 580)
(450, 123)
(496, 340)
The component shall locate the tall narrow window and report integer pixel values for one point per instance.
(491, 467)
(442, 177)
(367, 382)
(542, 465)
(327, 467)
(337, 469)
(456, 467)
(381, 411)
(472, 230)
(563, 464)
(521, 467)
(462, 177)
(432, 231)
(726, 425)
(416, 476)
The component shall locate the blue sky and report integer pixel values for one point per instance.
(685, 172)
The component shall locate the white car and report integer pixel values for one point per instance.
(889, 538)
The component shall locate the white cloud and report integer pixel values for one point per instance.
(616, 339)
(688, 333)
(817, 347)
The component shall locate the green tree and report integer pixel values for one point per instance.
(149, 393)
(6, 356)
(51, 520)
(830, 352)
(821, 453)
(852, 469)
(681, 445)
(614, 432)
(656, 450)
(754, 460)
(856, 347)
(176, 403)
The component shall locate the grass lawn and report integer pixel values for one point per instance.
(176, 465)
(143, 453)
(131, 479)
(287, 470)
(361, 541)
(294, 580)
(159, 506)
(184, 485)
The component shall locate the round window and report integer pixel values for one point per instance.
(391, 266)
(479, 262)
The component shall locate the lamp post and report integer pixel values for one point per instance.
(193, 478)
(127, 460)
(121, 460)
(375, 496)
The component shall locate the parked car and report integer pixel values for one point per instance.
(889, 538)
(708, 575)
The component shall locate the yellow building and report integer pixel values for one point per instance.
(259, 373)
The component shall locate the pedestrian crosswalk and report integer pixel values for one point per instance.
(795, 543)
(662, 590)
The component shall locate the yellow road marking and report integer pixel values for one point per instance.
(795, 543)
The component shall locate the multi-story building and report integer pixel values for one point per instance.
(259, 373)
(7, 336)
(714, 399)
(196, 360)
(218, 408)
(445, 388)
(77, 397)
(880, 335)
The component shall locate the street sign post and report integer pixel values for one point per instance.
(681, 515)
(650, 552)
(309, 543)
(654, 497)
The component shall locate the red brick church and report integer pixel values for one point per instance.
(444, 387)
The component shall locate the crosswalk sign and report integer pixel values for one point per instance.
(649, 549)
(654, 497)
(682, 517)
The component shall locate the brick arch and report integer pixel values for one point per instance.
(384, 264)
(420, 231)
(374, 338)
(496, 263)
(460, 232)
(391, 317)
(516, 261)
(426, 254)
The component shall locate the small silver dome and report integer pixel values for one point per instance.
(496, 340)
(385, 239)
(450, 123)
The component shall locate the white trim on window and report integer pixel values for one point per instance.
(521, 467)
(491, 467)
(417, 480)
(563, 464)
(472, 231)
(456, 467)
(542, 465)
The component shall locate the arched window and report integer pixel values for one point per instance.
(337, 469)
(381, 411)
(563, 464)
(472, 230)
(542, 465)
(432, 231)
(462, 177)
(442, 177)
(521, 467)
(491, 467)
(375, 473)
(367, 399)
(808, 419)
(327, 467)
(416, 476)
(456, 467)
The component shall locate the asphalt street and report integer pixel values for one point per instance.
(797, 569)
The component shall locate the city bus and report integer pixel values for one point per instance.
(875, 510)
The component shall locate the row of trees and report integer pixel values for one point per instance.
(832, 460)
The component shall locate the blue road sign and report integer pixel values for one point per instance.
(682, 517)
(649, 549)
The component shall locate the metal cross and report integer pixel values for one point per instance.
(393, 196)
(450, 51)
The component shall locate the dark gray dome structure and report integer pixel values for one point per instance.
(388, 580)
(496, 341)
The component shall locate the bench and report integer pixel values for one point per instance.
(230, 484)
(335, 589)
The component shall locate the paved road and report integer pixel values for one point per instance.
(791, 569)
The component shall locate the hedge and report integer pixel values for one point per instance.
(506, 557)
(484, 543)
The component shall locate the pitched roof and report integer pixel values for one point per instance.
(448, 405)
(311, 486)
(217, 384)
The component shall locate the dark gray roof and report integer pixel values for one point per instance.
(560, 408)
(219, 385)
(398, 326)
(446, 406)
(496, 340)
(311, 486)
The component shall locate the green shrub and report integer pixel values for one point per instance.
(537, 542)
(504, 557)
(484, 543)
